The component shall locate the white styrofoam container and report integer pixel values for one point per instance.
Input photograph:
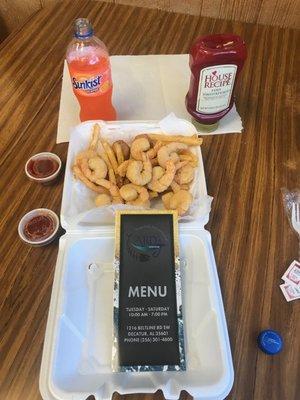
(78, 210)
(77, 350)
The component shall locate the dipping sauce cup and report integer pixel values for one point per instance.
(43, 167)
(38, 227)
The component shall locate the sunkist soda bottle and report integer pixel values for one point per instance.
(89, 67)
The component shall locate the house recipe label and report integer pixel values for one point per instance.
(147, 298)
(215, 88)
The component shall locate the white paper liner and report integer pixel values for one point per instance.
(81, 201)
(145, 87)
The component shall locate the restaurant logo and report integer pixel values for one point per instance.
(215, 79)
(143, 244)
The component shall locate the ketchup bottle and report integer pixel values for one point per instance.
(215, 63)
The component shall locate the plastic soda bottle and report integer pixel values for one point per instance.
(89, 67)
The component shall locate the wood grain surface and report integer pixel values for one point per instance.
(283, 13)
(252, 239)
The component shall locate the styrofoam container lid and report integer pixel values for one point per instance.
(77, 348)
(78, 344)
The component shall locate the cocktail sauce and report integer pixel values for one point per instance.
(39, 227)
(42, 167)
(215, 63)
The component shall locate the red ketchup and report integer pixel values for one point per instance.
(42, 167)
(215, 63)
(39, 227)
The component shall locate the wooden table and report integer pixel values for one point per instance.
(252, 238)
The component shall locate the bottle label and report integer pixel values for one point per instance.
(91, 85)
(215, 88)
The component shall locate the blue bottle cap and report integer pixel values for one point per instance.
(270, 342)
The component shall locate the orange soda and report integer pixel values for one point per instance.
(90, 72)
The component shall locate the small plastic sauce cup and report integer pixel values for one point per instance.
(38, 227)
(43, 167)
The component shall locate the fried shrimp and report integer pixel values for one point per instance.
(154, 162)
(152, 195)
(139, 172)
(187, 155)
(161, 184)
(139, 203)
(153, 166)
(175, 187)
(138, 147)
(134, 194)
(98, 167)
(113, 190)
(79, 175)
(169, 152)
(129, 192)
(180, 164)
(85, 154)
(181, 201)
(185, 174)
(91, 165)
(152, 153)
(103, 200)
(157, 172)
(186, 186)
(166, 199)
